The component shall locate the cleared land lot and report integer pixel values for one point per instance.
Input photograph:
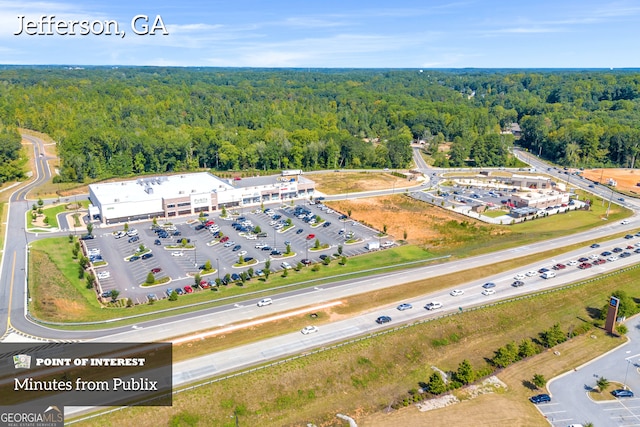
(626, 179)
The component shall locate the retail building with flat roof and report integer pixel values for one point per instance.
(188, 194)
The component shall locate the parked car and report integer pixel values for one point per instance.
(236, 248)
(133, 239)
(177, 253)
(147, 256)
(404, 306)
(383, 319)
(88, 237)
(134, 258)
(311, 236)
(299, 231)
(188, 289)
(306, 261)
(622, 393)
(285, 265)
(276, 252)
(235, 277)
(156, 270)
(540, 398)
(179, 291)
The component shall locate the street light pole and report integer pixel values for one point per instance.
(218, 267)
(195, 252)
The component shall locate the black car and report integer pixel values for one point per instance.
(306, 262)
(489, 285)
(628, 236)
(605, 253)
(383, 319)
(88, 237)
(236, 248)
(540, 398)
(147, 256)
(617, 250)
(235, 277)
(157, 242)
(583, 259)
(163, 234)
(199, 227)
(625, 254)
(179, 241)
(266, 248)
(106, 294)
(177, 233)
(134, 258)
(517, 283)
(276, 252)
(299, 231)
(133, 239)
(248, 259)
(323, 257)
(326, 224)
(595, 245)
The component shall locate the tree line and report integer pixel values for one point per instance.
(134, 120)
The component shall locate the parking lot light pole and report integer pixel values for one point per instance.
(218, 267)
(625, 374)
(195, 252)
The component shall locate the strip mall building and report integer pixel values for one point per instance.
(189, 194)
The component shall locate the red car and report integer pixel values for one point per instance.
(311, 236)
(599, 261)
(209, 223)
(559, 267)
(204, 284)
(224, 239)
(188, 289)
(156, 270)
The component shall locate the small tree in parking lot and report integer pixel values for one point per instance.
(114, 295)
(250, 272)
(142, 248)
(267, 264)
(207, 265)
(266, 272)
(257, 230)
(288, 251)
(89, 228)
(326, 261)
(224, 212)
(126, 227)
(241, 259)
(339, 249)
(316, 244)
(197, 279)
(150, 279)
(602, 383)
(173, 296)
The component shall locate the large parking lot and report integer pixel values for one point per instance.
(222, 243)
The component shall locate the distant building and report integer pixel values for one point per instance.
(188, 194)
(539, 199)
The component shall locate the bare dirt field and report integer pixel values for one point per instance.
(355, 182)
(627, 179)
(423, 224)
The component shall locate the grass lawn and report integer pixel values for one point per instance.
(52, 214)
(363, 378)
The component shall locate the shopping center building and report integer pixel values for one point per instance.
(187, 194)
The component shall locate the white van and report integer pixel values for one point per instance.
(548, 274)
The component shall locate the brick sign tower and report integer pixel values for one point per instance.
(612, 314)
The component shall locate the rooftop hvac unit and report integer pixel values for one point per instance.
(149, 190)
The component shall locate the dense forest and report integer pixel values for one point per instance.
(123, 121)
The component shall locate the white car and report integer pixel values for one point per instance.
(612, 258)
(177, 253)
(285, 265)
(572, 262)
(229, 244)
(251, 237)
(433, 305)
(488, 292)
(242, 253)
(265, 301)
(456, 292)
(531, 273)
(132, 232)
(261, 245)
(119, 234)
(519, 277)
(309, 330)
(594, 256)
(104, 275)
(625, 222)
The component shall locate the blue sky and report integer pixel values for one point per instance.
(329, 33)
